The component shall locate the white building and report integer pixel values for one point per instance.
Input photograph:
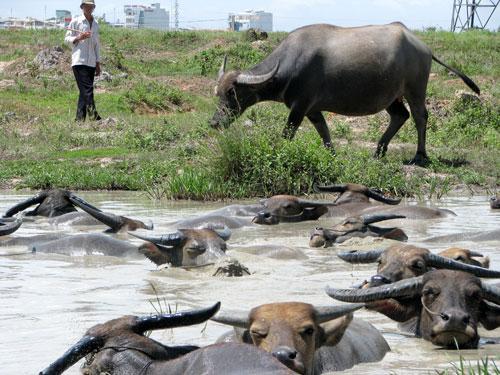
(251, 19)
(147, 17)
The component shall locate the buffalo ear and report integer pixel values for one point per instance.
(489, 316)
(331, 332)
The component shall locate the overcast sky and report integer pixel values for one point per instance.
(287, 14)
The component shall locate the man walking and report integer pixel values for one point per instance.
(83, 36)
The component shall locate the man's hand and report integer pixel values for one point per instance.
(83, 36)
(97, 69)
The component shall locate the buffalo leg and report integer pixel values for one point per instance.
(420, 116)
(294, 120)
(399, 114)
(321, 127)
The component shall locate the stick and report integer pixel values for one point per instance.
(78, 31)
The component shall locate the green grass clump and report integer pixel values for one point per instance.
(154, 96)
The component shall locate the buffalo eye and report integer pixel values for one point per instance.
(418, 265)
(430, 292)
(307, 331)
(258, 334)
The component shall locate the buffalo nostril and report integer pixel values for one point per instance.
(292, 355)
(444, 316)
(466, 319)
(379, 280)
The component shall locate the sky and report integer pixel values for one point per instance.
(287, 14)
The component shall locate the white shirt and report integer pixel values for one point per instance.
(87, 51)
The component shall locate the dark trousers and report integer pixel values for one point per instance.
(84, 76)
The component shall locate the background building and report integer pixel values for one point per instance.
(148, 17)
(63, 17)
(251, 19)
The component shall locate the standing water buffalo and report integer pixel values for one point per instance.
(357, 226)
(449, 304)
(353, 71)
(307, 339)
(120, 347)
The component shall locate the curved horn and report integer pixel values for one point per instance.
(374, 194)
(406, 287)
(222, 69)
(254, 79)
(370, 219)
(326, 313)
(442, 262)
(330, 188)
(222, 230)
(172, 239)
(233, 318)
(475, 254)
(86, 345)
(491, 293)
(358, 256)
(10, 227)
(113, 221)
(180, 319)
(21, 206)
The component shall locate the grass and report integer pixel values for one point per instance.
(483, 366)
(161, 97)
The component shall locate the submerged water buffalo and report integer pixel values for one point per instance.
(449, 305)
(328, 68)
(289, 209)
(120, 347)
(476, 236)
(186, 247)
(307, 339)
(51, 203)
(9, 226)
(399, 262)
(114, 222)
(358, 226)
(495, 202)
(354, 199)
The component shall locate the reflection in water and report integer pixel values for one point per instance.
(49, 300)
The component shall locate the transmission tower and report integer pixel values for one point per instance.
(176, 15)
(472, 14)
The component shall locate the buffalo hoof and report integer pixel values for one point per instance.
(420, 160)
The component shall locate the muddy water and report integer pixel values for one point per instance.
(48, 301)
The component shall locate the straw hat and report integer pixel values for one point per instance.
(89, 2)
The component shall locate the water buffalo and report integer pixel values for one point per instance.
(399, 262)
(476, 236)
(466, 256)
(289, 209)
(449, 305)
(358, 226)
(495, 202)
(353, 71)
(121, 348)
(9, 226)
(354, 200)
(307, 339)
(51, 203)
(186, 247)
(115, 223)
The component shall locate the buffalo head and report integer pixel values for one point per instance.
(291, 331)
(399, 262)
(495, 202)
(289, 209)
(51, 203)
(237, 91)
(357, 226)
(186, 247)
(449, 304)
(120, 343)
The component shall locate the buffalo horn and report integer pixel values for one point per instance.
(442, 262)
(357, 256)
(222, 69)
(233, 318)
(172, 239)
(111, 220)
(374, 194)
(10, 227)
(221, 229)
(21, 206)
(407, 287)
(330, 188)
(491, 293)
(256, 79)
(327, 313)
(475, 254)
(370, 219)
(86, 345)
(180, 319)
